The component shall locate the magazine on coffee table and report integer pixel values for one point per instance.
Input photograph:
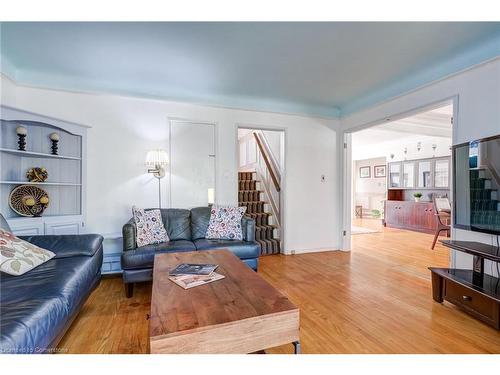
(190, 281)
(193, 269)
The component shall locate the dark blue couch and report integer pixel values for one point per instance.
(186, 230)
(38, 307)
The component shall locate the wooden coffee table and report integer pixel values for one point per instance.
(241, 313)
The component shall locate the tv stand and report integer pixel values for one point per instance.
(474, 291)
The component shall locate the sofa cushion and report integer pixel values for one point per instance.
(177, 222)
(225, 223)
(18, 256)
(200, 217)
(242, 249)
(143, 257)
(36, 308)
(149, 227)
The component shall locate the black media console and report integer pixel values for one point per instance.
(474, 291)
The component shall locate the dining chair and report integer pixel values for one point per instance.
(442, 213)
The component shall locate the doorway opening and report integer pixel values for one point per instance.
(261, 171)
(401, 180)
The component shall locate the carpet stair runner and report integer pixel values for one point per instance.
(485, 202)
(250, 197)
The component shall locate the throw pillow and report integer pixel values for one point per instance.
(150, 228)
(225, 223)
(18, 256)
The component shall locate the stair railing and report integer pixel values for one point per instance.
(269, 173)
(491, 167)
(494, 173)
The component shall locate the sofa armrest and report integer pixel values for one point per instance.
(129, 232)
(248, 228)
(66, 246)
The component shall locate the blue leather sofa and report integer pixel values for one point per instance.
(38, 307)
(186, 230)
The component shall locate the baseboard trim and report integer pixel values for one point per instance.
(306, 251)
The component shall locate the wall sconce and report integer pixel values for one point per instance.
(156, 161)
(405, 152)
(434, 146)
(419, 146)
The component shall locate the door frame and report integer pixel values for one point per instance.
(283, 192)
(345, 145)
(215, 124)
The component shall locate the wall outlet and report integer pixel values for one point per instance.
(292, 252)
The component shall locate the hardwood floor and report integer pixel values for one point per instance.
(374, 299)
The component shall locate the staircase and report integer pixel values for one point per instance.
(249, 196)
(485, 202)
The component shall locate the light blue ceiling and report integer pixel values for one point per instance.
(324, 69)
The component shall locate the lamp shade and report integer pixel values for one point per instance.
(156, 158)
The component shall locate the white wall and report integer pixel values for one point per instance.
(125, 128)
(248, 150)
(365, 145)
(369, 192)
(478, 116)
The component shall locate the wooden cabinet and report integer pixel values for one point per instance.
(64, 227)
(417, 216)
(481, 306)
(431, 173)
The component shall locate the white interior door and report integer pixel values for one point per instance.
(192, 163)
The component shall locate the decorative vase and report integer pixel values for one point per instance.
(54, 139)
(21, 132)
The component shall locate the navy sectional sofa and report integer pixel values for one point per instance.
(38, 307)
(186, 230)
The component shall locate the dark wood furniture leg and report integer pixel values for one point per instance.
(436, 236)
(437, 287)
(478, 268)
(442, 222)
(296, 345)
(129, 289)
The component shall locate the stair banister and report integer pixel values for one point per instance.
(272, 157)
(493, 171)
(265, 156)
(272, 185)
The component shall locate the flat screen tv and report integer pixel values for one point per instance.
(476, 181)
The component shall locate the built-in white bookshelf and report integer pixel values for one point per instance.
(65, 184)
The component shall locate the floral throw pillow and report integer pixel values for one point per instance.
(225, 223)
(150, 229)
(18, 256)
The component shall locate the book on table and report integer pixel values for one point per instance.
(189, 275)
(193, 269)
(190, 281)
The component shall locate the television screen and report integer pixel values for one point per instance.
(476, 185)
